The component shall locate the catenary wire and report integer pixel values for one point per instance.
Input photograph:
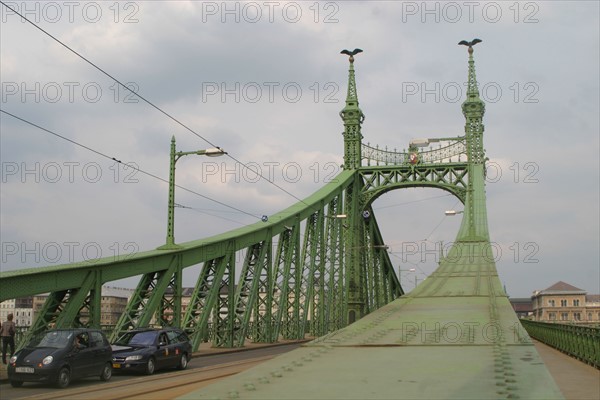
(149, 102)
(129, 165)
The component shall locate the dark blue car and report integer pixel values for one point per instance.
(147, 350)
(60, 355)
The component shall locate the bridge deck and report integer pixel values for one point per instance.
(455, 336)
(576, 380)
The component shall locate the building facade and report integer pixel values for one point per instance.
(523, 306)
(565, 303)
(26, 309)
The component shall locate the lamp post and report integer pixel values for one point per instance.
(451, 213)
(175, 156)
(400, 271)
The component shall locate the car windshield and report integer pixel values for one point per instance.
(55, 339)
(146, 338)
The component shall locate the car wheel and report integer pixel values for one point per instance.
(16, 383)
(150, 367)
(106, 372)
(183, 362)
(64, 378)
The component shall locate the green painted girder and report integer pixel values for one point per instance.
(135, 307)
(263, 322)
(77, 299)
(169, 311)
(454, 336)
(331, 310)
(327, 284)
(310, 277)
(224, 323)
(291, 321)
(313, 258)
(65, 308)
(255, 281)
(93, 274)
(451, 177)
(46, 316)
(204, 298)
(148, 299)
(31, 281)
(384, 286)
(287, 261)
(354, 247)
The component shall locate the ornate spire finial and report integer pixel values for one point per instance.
(352, 96)
(470, 44)
(351, 54)
(472, 89)
(473, 108)
(353, 117)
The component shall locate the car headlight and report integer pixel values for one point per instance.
(13, 360)
(134, 358)
(47, 360)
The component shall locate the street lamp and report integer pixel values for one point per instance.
(400, 271)
(176, 155)
(424, 142)
(453, 212)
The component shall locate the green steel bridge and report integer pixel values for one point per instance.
(320, 268)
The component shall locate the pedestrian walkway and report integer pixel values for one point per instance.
(575, 379)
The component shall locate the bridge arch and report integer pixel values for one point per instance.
(452, 178)
(371, 196)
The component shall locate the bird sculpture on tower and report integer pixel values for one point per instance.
(351, 53)
(470, 44)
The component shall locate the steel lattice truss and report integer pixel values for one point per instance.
(292, 280)
(304, 271)
(451, 177)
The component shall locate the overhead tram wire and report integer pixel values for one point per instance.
(143, 172)
(150, 103)
(199, 210)
(235, 209)
(130, 166)
(441, 222)
(412, 201)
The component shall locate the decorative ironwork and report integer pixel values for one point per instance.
(456, 151)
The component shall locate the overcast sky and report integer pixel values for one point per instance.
(265, 81)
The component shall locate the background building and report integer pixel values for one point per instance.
(523, 306)
(25, 310)
(113, 304)
(565, 303)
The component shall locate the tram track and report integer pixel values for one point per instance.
(159, 386)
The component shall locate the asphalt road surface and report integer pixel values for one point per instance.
(163, 384)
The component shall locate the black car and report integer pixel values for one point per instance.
(147, 350)
(60, 355)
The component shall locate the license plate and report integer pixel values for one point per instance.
(24, 370)
(116, 365)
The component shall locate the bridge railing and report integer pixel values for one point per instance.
(581, 342)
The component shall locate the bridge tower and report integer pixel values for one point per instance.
(474, 224)
(455, 335)
(353, 118)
